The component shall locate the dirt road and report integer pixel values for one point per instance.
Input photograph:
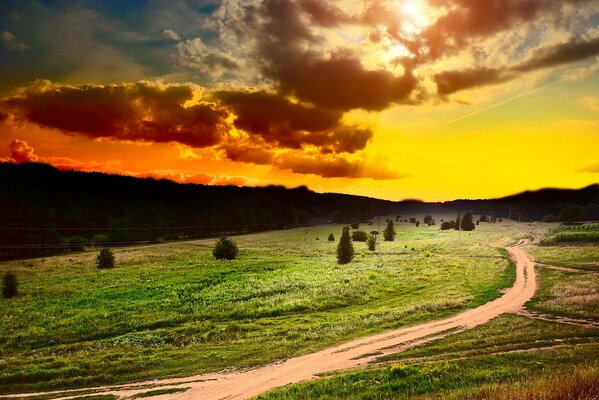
(241, 385)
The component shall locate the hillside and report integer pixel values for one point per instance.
(47, 210)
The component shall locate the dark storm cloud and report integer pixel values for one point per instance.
(275, 119)
(564, 53)
(135, 112)
(155, 112)
(471, 19)
(337, 82)
(452, 81)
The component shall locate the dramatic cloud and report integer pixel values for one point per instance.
(263, 123)
(468, 20)
(277, 120)
(564, 53)
(21, 152)
(146, 112)
(452, 81)
(194, 54)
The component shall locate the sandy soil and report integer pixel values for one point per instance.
(246, 384)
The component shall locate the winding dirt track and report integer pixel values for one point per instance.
(241, 385)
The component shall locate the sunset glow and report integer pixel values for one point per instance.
(433, 99)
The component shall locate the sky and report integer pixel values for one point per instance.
(407, 99)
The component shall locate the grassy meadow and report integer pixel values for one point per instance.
(510, 357)
(172, 310)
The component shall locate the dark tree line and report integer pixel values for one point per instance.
(44, 211)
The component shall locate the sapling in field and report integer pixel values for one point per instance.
(225, 249)
(371, 242)
(105, 259)
(345, 248)
(10, 285)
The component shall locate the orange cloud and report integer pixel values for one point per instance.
(21, 152)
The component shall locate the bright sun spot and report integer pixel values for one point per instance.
(415, 18)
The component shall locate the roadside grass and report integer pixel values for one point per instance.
(578, 384)
(567, 294)
(573, 255)
(465, 364)
(171, 310)
(508, 332)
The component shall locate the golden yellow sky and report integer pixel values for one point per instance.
(435, 100)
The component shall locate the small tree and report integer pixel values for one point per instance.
(10, 285)
(467, 224)
(105, 259)
(331, 237)
(484, 218)
(412, 220)
(371, 242)
(417, 224)
(389, 233)
(225, 249)
(345, 248)
(458, 225)
(428, 219)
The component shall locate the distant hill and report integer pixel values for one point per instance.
(44, 210)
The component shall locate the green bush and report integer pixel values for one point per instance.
(331, 237)
(225, 249)
(345, 248)
(371, 242)
(389, 233)
(447, 225)
(105, 259)
(359, 236)
(467, 224)
(10, 285)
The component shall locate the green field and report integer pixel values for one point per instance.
(575, 233)
(510, 357)
(172, 310)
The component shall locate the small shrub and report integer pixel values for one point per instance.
(105, 259)
(359, 236)
(331, 237)
(374, 232)
(389, 233)
(345, 248)
(225, 249)
(428, 219)
(412, 220)
(447, 225)
(417, 224)
(371, 242)
(10, 285)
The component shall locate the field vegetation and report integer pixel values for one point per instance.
(575, 233)
(173, 310)
(510, 357)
